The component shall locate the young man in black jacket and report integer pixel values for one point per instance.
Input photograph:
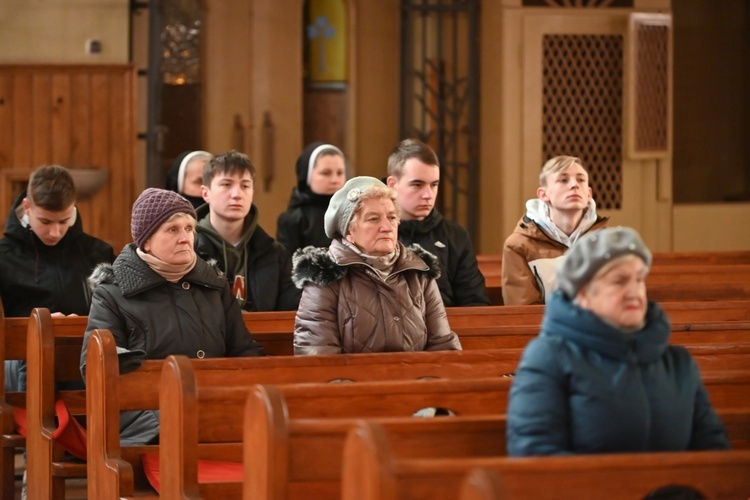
(258, 268)
(45, 257)
(414, 172)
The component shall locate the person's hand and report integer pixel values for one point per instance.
(61, 315)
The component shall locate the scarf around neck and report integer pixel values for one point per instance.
(383, 264)
(170, 272)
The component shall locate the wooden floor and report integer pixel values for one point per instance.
(75, 489)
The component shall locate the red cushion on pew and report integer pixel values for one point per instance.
(209, 471)
(69, 433)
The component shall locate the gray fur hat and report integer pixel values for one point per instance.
(595, 249)
(342, 204)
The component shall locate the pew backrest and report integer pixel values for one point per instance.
(197, 419)
(113, 469)
(51, 359)
(372, 470)
(281, 454)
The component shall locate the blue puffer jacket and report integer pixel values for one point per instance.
(584, 386)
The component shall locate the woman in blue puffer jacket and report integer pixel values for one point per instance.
(601, 377)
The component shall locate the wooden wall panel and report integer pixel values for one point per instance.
(80, 124)
(20, 129)
(78, 116)
(6, 116)
(61, 124)
(41, 119)
(119, 139)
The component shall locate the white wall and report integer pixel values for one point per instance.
(55, 31)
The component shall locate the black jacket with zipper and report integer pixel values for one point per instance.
(33, 274)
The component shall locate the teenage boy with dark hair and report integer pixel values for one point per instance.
(414, 172)
(258, 268)
(45, 257)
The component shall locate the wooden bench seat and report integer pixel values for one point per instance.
(727, 278)
(47, 365)
(279, 457)
(52, 352)
(275, 329)
(502, 337)
(490, 265)
(373, 469)
(194, 417)
(68, 334)
(108, 392)
(708, 356)
(192, 411)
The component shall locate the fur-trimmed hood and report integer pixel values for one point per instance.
(323, 266)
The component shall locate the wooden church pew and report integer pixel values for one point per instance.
(206, 423)
(108, 392)
(52, 359)
(67, 347)
(192, 413)
(372, 470)
(63, 346)
(280, 453)
(490, 265)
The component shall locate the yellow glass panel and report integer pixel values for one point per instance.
(325, 40)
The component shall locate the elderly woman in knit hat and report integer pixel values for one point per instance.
(367, 292)
(159, 298)
(601, 377)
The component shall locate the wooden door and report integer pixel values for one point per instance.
(581, 97)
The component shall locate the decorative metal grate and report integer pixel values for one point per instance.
(440, 96)
(582, 107)
(651, 88)
(578, 3)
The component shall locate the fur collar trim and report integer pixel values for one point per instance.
(102, 274)
(318, 266)
(433, 263)
(315, 265)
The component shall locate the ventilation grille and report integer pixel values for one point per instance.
(582, 108)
